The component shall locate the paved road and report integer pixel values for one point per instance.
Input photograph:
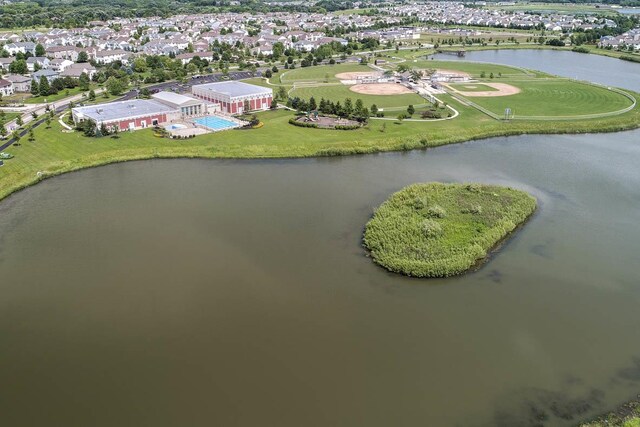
(63, 104)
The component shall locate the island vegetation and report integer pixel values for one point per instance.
(440, 230)
(627, 415)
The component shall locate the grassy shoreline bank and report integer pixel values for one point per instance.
(54, 153)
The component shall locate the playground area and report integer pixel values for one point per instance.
(325, 122)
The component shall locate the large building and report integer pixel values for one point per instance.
(127, 115)
(187, 105)
(231, 96)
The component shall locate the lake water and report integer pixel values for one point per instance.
(236, 293)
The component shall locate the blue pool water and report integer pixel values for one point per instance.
(215, 122)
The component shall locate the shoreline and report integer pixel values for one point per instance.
(401, 147)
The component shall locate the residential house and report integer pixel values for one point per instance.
(5, 62)
(49, 74)
(59, 65)
(75, 70)
(109, 56)
(6, 87)
(22, 47)
(39, 62)
(20, 83)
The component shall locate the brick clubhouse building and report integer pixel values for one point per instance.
(231, 96)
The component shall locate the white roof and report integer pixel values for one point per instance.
(122, 110)
(234, 89)
(175, 98)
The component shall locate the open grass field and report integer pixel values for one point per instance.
(318, 73)
(474, 69)
(555, 97)
(440, 230)
(339, 92)
(54, 98)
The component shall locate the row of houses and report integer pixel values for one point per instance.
(629, 39)
(16, 83)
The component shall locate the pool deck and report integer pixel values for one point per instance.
(188, 130)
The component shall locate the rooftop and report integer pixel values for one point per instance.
(234, 88)
(122, 110)
(175, 98)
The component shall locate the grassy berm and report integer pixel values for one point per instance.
(440, 230)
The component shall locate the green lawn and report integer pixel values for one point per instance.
(8, 116)
(318, 73)
(474, 69)
(440, 230)
(555, 97)
(340, 92)
(54, 98)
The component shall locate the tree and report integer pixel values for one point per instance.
(44, 86)
(274, 104)
(192, 68)
(401, 117)
(19, 66)
(268, 74)
(3, 131)
(83, 57)
(312, 104)
(92, 95)
(374, 110)
(39, 50)
(140, 65)
(411, 110)
(83, 81)
(282, 93)
(48, 122)
(246, 106)
(15, 135)
(348, 107)
(35, 88)
(32, 137)
(19, 121)
(114, 86)
(274, 69)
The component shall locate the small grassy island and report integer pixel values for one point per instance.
(440, 230)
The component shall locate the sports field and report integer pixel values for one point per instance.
(473, 87)
(339, 92)
(553, 98)
(320, 73)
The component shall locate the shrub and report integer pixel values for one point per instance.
(295, 122)
(346, 127)
(436, 211)
(431, 228)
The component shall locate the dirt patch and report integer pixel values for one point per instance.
(380, 89)
(502, 89)
(354, 75)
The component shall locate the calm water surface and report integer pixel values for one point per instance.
(236, 293)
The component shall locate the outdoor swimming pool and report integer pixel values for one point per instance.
(215, 122)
